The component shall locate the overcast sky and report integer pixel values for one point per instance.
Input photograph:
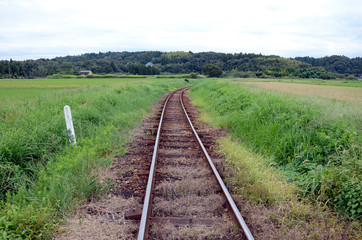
(31, 29)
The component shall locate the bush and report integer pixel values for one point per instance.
(211, 70)
(193, 75)
(140, 69)
(239, 74)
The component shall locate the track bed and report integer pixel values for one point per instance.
(186, 201)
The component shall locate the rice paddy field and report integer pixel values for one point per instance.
(351, 94)
(16, 91)
(340, 83)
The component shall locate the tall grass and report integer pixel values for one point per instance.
(316, 144)
(40, 173)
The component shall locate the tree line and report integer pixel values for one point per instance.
(238, 65)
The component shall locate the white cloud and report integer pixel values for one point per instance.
(39, 28)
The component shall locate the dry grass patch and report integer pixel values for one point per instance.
(179, 160)
(219, 231)
(292, 220)
(177, 152)
(198, 187)
(102, 220)
(92, 229)
(189, 205)
(186, 171)
(253, 179)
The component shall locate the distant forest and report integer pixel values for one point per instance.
(237, 65)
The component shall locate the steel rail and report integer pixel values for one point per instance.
(220, 181)
(146, 205)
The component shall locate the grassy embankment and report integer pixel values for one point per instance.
(313, 142)
(42, 176)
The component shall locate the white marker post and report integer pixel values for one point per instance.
(69, 123)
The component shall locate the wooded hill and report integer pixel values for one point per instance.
(237, 65)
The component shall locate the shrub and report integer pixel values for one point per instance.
(193, 75)
(211, 70)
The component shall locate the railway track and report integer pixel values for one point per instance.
(185, 196)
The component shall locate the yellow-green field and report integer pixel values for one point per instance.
(17, 91)
(350, 94)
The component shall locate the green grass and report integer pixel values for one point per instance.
(316, 143)
(69, 83)
(341, 83)
(42, 176)
(19, 95)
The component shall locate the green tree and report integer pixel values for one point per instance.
(211, 70)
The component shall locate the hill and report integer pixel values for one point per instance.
(238, 65)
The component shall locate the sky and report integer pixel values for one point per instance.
(32, 29)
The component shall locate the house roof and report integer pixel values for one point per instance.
(85, 72)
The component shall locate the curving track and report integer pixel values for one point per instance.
(185, 196)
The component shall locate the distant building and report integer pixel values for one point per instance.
(149, 64)
(85, 72)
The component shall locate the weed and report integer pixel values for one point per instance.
(30, 222)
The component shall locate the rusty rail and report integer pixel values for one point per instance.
(144, 222)
(219, 179)
(142, 233)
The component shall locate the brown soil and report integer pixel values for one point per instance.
(351, 94)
